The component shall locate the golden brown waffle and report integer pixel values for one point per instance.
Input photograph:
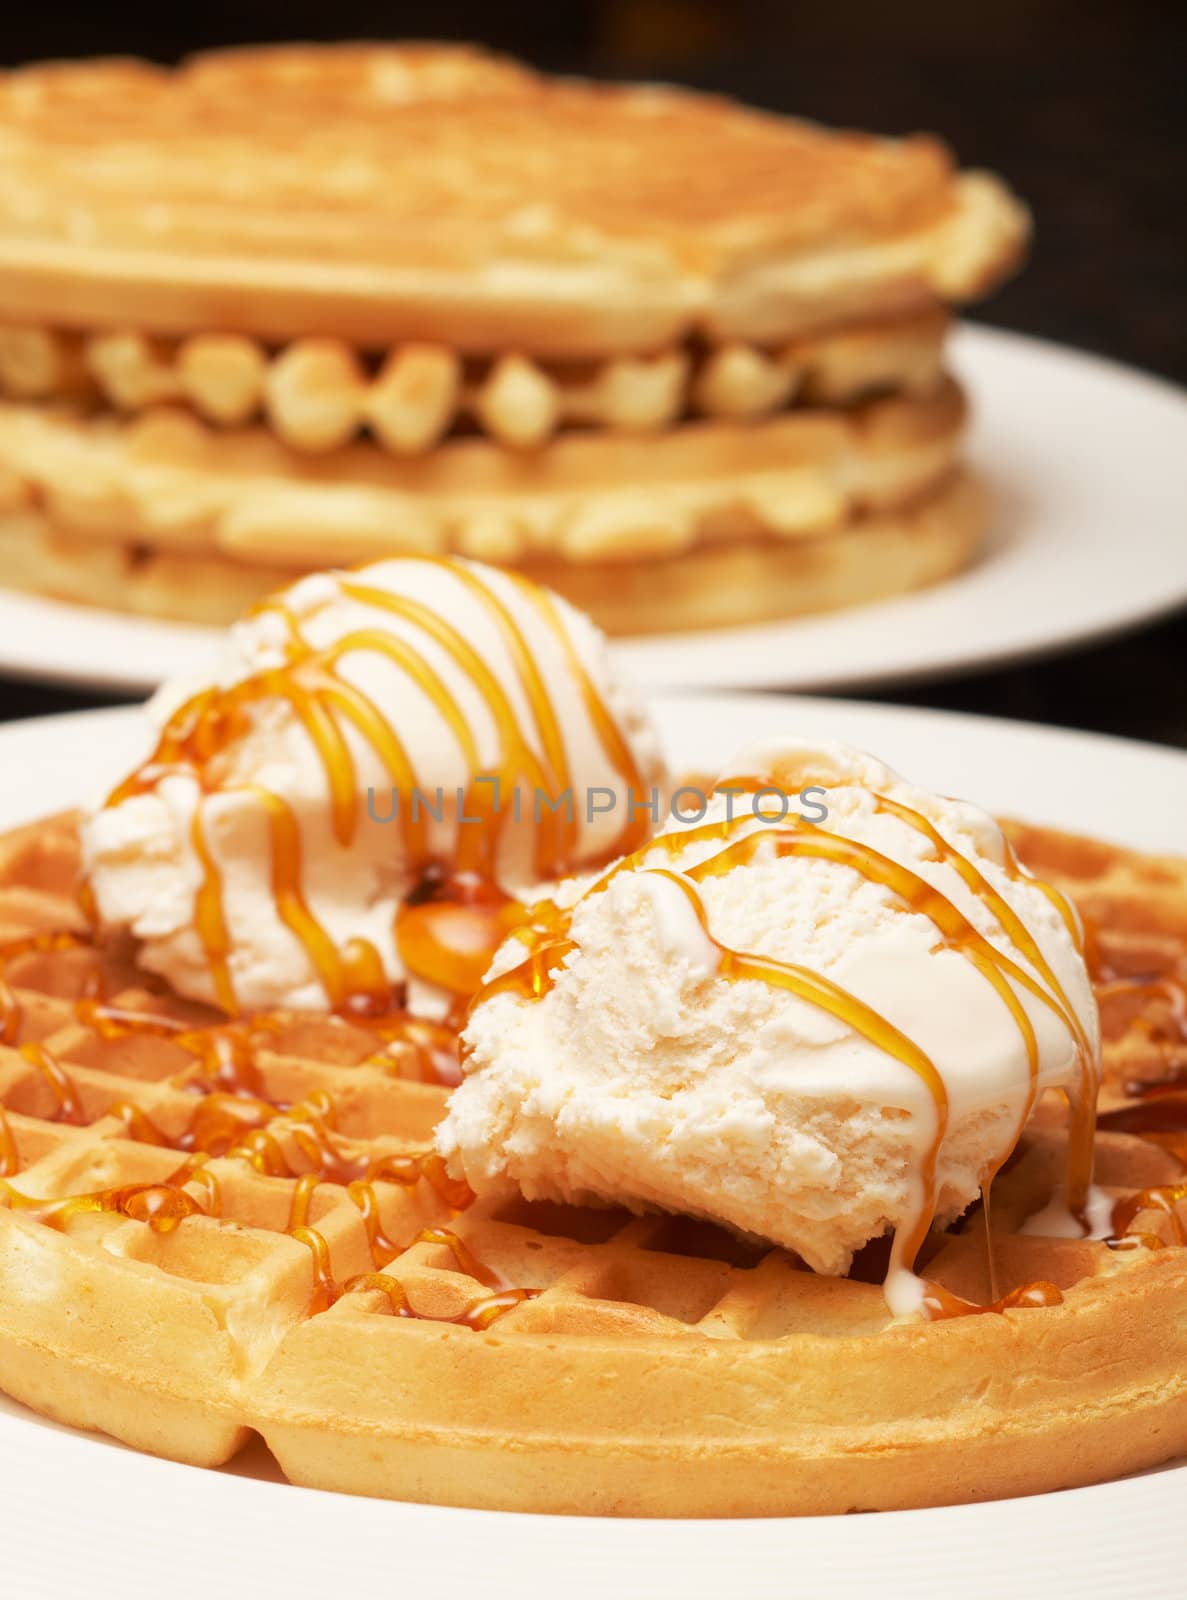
(703, 524)
(376, 194)
(100, 1104)
(166, 479)
(873, 556)
(554, 1359)
(1135, 912)
(279, 309)
(318, 394)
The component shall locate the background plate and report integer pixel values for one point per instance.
(1086, 459)
(84, 1516)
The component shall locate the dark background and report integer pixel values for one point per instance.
(1082, 106)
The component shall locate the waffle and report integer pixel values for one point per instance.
(1135, 913)
(318, 394)
(165, 514)
(873, 556)
(387, 1337)
(377, 194)
(284, 308)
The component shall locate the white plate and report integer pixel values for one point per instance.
(1086, 458)
(83, 1516)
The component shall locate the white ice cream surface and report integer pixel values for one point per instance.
(646, 1077)
(140, 856)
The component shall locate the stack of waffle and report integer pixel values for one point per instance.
(285, 309)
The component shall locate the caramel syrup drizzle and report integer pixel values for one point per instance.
(161, 1205)
(69, 1106)
(1165, 1198)
(200, 732)
(1067, 911)
(327, 1290)
(210, 920)
(479, 1315)
(10, 1156)
(227, 1051)
(231, 1115)
(52, 939)
(227, 1125)
(477, 850)
(823, 993)
(1016, 930)
(1163, 986)
(940, 1304)
(231, 1120)
(545, 933)
(10, 1014)
(634, 829)
(996, 968)
(958, 934)
(1160, 1115)
(231, 1110)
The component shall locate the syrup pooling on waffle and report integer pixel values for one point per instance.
(243, 1120)
(547, 934)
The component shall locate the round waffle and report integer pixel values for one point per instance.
(318, 1280)
(318, 394)
(384, 193)
(873, 556)
(163, 513)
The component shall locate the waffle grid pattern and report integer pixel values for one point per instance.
(652, 1364)
(1135, 911)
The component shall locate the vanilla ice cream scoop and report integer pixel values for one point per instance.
(814, 1030)
(388, 758)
